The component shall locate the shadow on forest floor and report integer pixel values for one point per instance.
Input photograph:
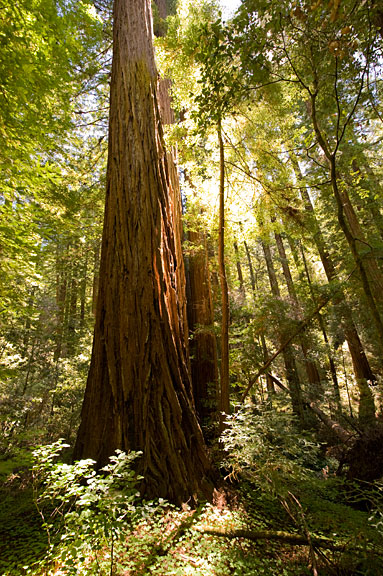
(173, 541)
(23, 539)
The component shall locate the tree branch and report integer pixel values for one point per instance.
(301, 326)
(279, 535)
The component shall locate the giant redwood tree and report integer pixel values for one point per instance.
(138, 394)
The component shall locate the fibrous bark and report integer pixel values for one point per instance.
(138, 394)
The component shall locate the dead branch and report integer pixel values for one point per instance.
(279, 535)
(342, 434)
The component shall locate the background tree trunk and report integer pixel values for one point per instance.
(322, 325)
(311, 369)
(204, 357)
(292, 376)
(361, 366)
(225, 377)
(239, 272)
(269, 381)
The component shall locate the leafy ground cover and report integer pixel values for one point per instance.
(94, 525)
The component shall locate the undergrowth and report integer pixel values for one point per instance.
(65, 519)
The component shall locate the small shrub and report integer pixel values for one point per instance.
(267, 447)
(84, 512)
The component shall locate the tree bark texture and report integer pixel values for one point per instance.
(175, 206)
(204, 357)
(138, 394)
(199, 310)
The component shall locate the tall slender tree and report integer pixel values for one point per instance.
(312, 371)
(362, 369)
(138, 394)
(225, 373)
(292, 376)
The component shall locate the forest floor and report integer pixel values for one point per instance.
(166, 540)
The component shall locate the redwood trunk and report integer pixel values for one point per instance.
(204, 358)
(138, 394)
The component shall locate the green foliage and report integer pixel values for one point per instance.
(96, 525)
(267, 447)
(221, 82)
(22, 538)
(84, 512)
(40, 397)
(49, 63)
(42, 45)
(288, 468)
(171, 541)
(376, 517)
(255, 74)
